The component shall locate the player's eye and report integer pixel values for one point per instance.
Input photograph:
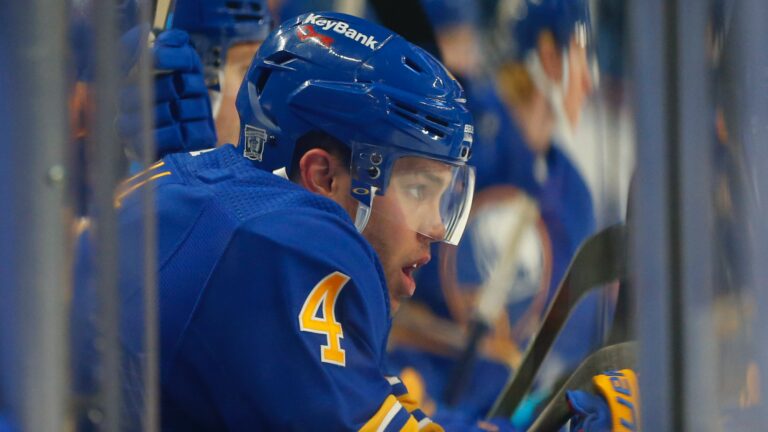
(417, 191)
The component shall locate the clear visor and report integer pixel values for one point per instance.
(429, 197)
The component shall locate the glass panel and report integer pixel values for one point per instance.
(738, 189)
(110, 148)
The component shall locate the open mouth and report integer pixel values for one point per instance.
(408, 271)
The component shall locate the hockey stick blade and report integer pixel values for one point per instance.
(598, 261)
(611, 357)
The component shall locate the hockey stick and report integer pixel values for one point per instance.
(163, 18)
(163, 15)
(611, 357)
(598, 261)
(493, 296)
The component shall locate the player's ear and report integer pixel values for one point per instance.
(316, 171)
(551, 60)
(322, 173)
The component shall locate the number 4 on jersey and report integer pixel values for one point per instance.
(324, 296)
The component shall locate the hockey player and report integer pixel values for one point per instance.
(544, 89)
(200, 63)
(274, 309)
(226, 35)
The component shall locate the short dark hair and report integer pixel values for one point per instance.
(321, 140)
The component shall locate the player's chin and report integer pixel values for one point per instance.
(394, 305)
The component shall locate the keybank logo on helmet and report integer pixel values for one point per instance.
(342, 28)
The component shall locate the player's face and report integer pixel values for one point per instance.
(236, 65)
(579, 81)
(405, 220)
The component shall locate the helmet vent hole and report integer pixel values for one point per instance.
(406, 108)
(236, 5)
(262, 81)
(434, 133)
(437, 121)
(412, 65)
(279, 58)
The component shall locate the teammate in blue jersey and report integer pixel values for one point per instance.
(544, 90)
(200, 62)
(226, 35)
(275, 295)
(539, 90)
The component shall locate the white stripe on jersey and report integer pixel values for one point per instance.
(393, 380)
(424, 422)
(390, 415)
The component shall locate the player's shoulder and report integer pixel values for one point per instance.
(313, 230)
(310, 243)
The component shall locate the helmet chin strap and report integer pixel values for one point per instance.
(364, 212)
(553, 91)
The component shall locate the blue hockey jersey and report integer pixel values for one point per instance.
(274, 312)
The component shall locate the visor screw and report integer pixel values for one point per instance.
(376, 159)
(374, 173)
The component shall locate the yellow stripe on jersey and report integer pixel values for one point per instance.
(410, 425)
(125, 187)
(134, 177)
(120, 196)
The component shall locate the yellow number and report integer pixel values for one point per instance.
(324, 296)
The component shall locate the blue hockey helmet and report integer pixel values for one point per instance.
(568, 21)
(564, 18)
(215, 25)
(389, 101)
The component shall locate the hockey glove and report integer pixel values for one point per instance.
(614, 408)
(182, 108)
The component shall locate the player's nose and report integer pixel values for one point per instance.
(434, 227)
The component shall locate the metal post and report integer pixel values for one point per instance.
(650, 227)
(107, 172)
(34, 270)
(695, 221)
(151, 365)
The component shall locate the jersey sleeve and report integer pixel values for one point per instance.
(289, 334)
